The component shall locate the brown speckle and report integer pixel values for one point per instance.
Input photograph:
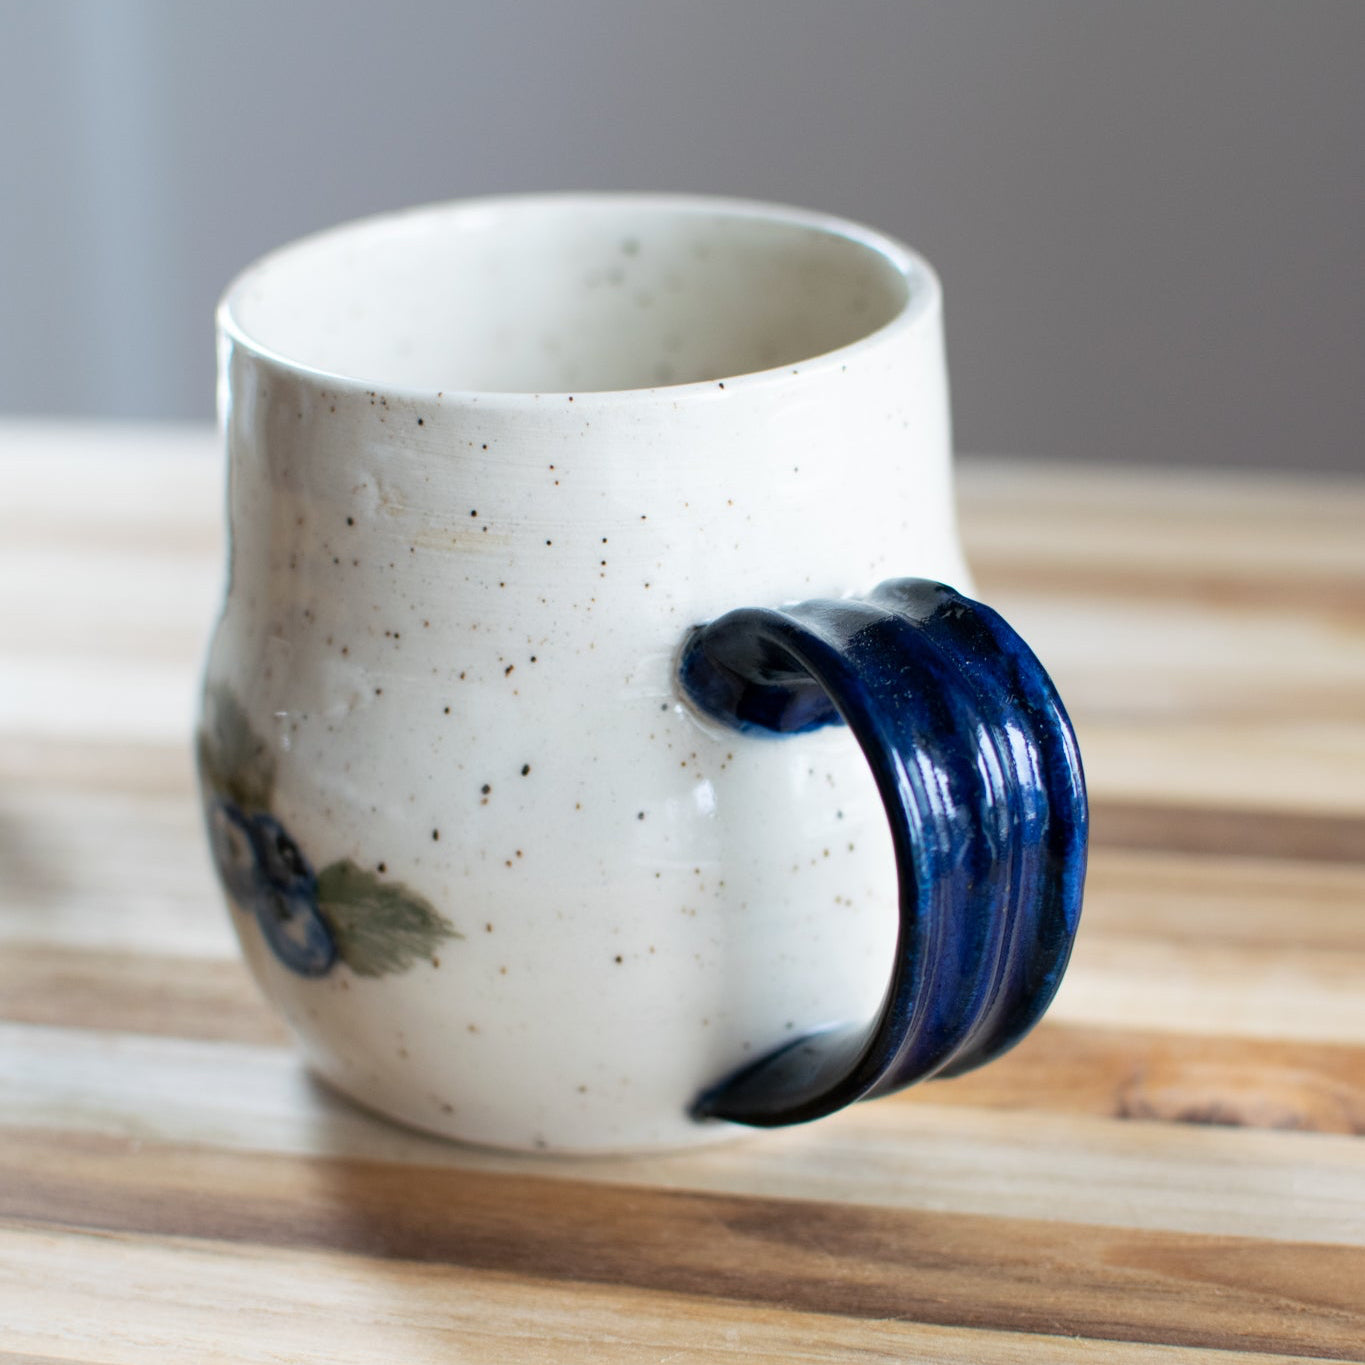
(435, 835)
(525, 769)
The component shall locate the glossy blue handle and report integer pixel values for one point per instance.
(978, 768)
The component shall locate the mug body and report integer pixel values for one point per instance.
(488, 464)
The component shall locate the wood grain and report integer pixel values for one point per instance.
(1292, 835)
(124, 992)
(907, 1153)
(218, 1306)
(1121, 1073)
(858, 1261)
(1171, 1168)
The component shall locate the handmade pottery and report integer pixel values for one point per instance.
(525, 855)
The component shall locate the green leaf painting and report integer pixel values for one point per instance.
(236, 763)
(380, 927)
(310, 921)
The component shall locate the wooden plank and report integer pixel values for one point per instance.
(1172, 1161)
(1294, 764)
(1266, 526)
(120, 1299)
(1257, 948)
(1218, 585)
(122, 992)
(1226, 901)
(849, 1260)
(1151, 663)
(1123, 1073)
(1254, 833)
(80, 884)
(137, 483)
(1248, 991)
(1175, 1077)
(905, 1153)
(131, 770)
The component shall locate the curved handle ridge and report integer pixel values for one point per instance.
(977, 765)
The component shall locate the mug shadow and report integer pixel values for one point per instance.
(441, 1221)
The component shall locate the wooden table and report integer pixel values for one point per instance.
(1174, 1159)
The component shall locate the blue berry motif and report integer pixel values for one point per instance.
(265, 872)
(234, 851)
(312, 920)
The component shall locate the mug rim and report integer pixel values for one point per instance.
(921, 305)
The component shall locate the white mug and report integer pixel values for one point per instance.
(532, 837)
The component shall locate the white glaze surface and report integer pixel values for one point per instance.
(434, 587)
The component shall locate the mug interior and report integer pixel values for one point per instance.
(573, 293)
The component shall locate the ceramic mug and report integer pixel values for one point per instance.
(530, 796)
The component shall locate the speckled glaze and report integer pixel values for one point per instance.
(489, 464)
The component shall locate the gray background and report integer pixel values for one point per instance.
(1149, 216)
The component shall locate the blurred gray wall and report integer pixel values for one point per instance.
(1149, 214)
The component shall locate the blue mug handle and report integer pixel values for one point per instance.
(978, 768)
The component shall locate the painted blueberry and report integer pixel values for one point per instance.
(234, 852)
(265, 872)
(287, 901)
